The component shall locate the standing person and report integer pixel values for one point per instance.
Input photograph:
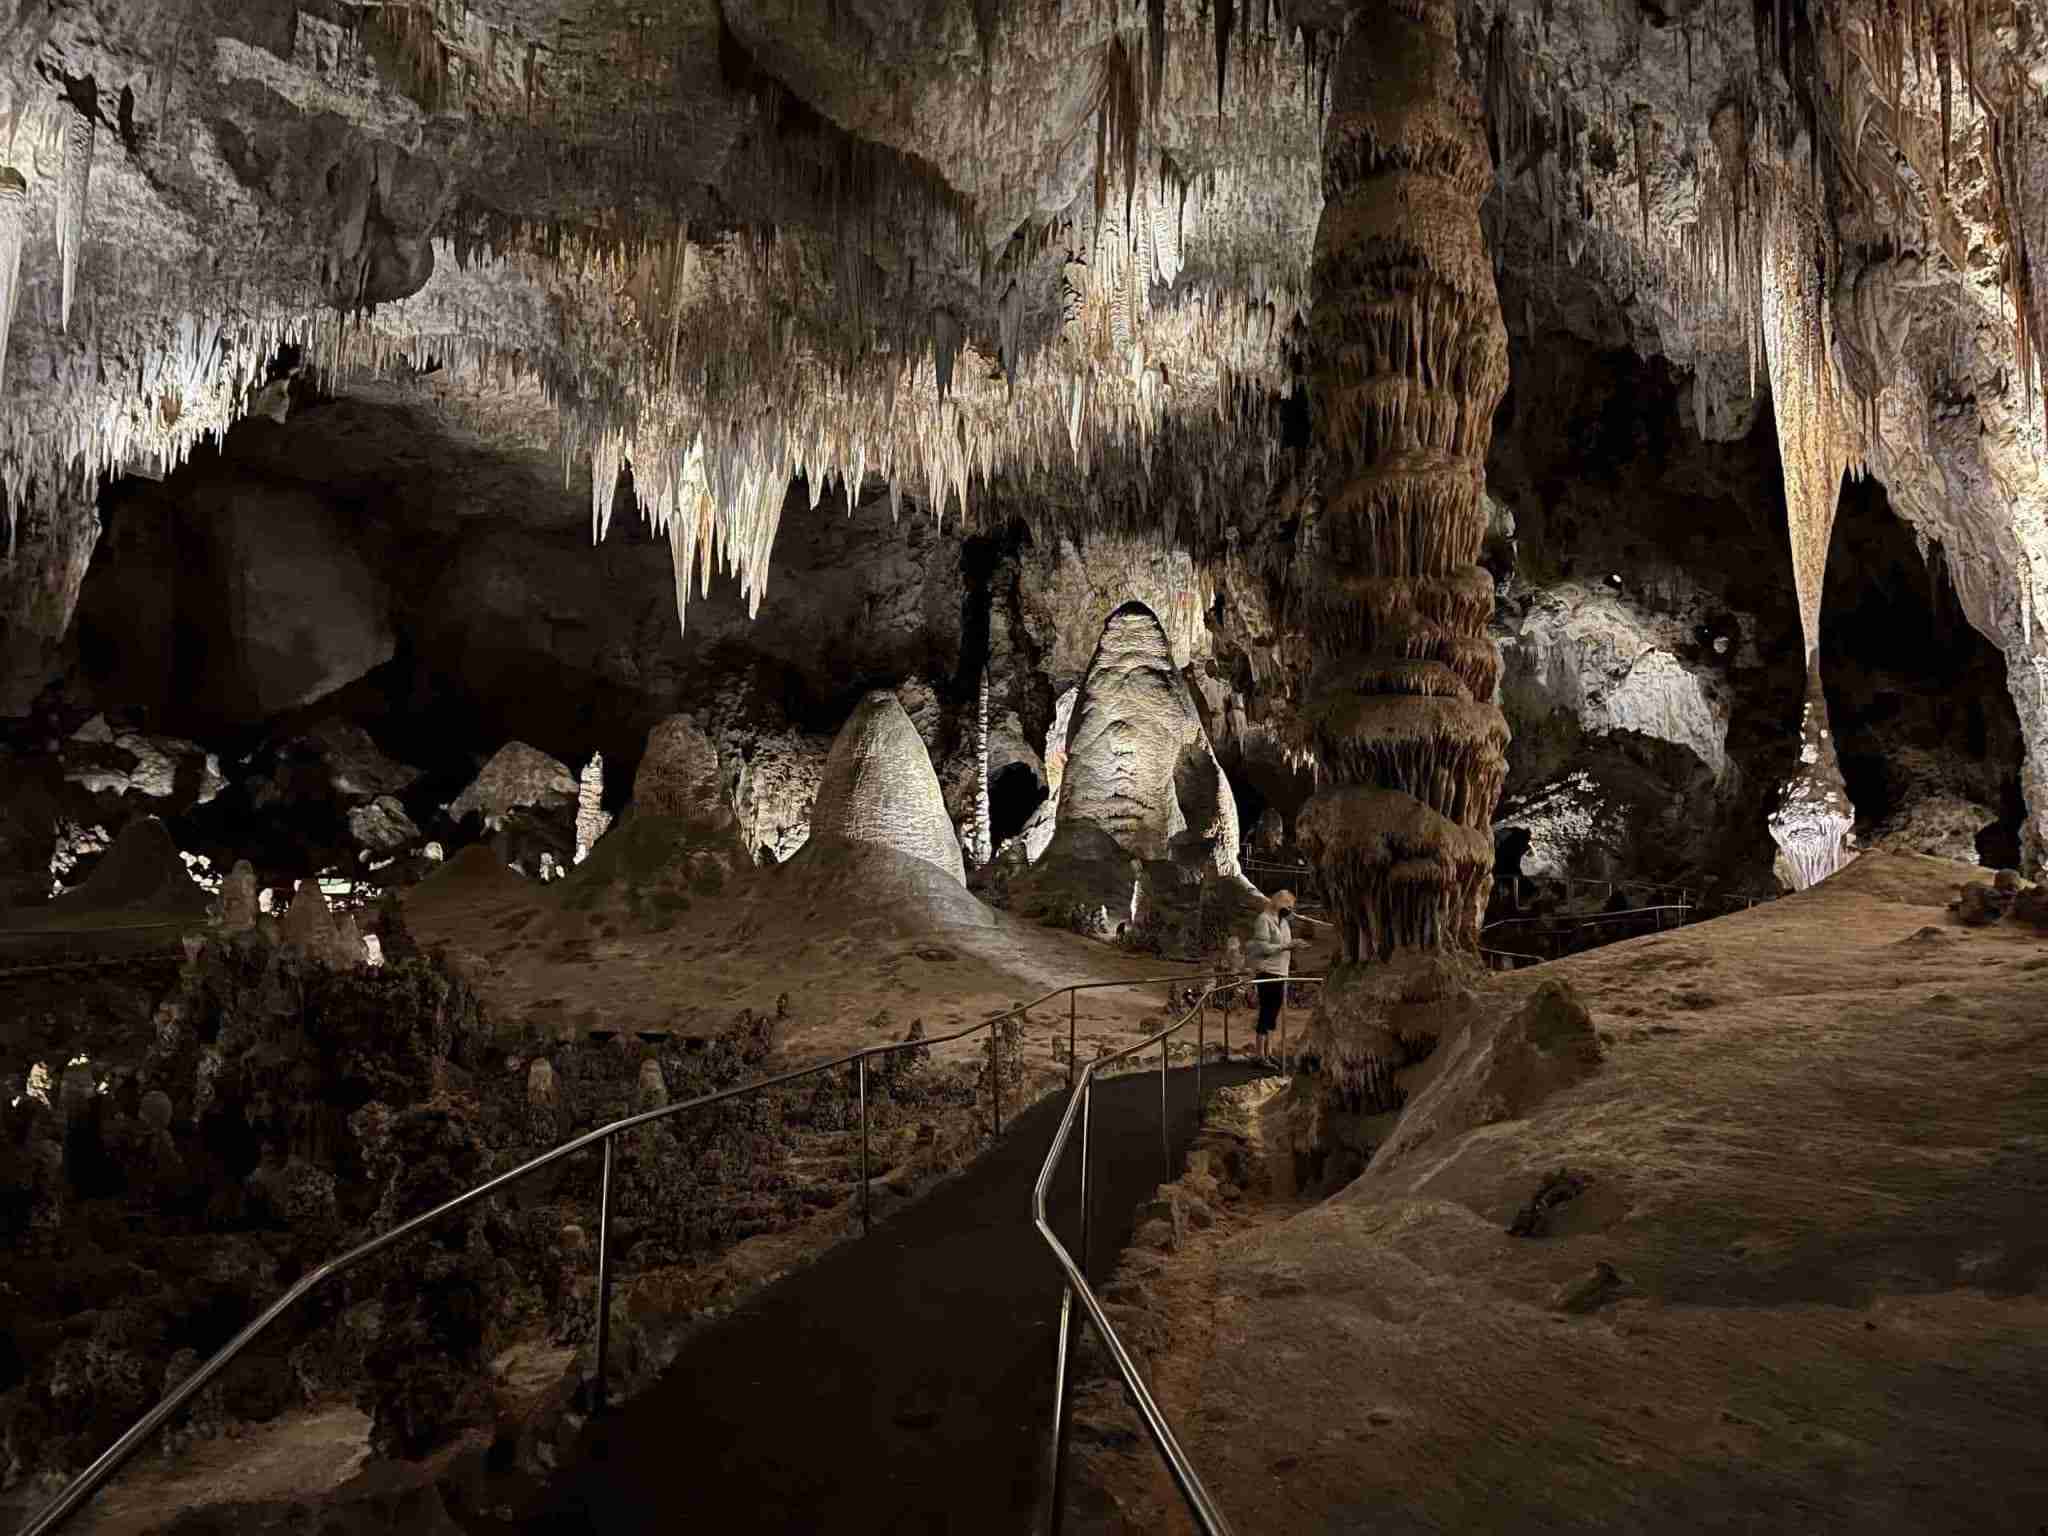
(1271, 952)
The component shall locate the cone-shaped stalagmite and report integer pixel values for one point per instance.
(1410, 359)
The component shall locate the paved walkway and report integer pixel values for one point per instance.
(902, 1384)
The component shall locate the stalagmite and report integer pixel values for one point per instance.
(879, 788)
(984, 848)
(592, 819)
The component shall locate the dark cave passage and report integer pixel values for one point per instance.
(1925, 728)
(1014, 792)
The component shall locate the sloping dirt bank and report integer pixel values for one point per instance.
(1802, 1283)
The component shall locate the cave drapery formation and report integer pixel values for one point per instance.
(1410, 359)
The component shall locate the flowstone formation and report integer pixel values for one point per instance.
(879, 789)
(1134, 739)
(1410, 359)
(1143, 809)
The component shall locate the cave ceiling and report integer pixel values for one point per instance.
(1038, 255)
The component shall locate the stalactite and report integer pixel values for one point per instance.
(717, 371)
(79, 134)
(13, 235)
(1813, 816)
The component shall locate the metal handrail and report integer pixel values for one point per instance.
(1582, 919)
(111, 1460)
(1201, 1506)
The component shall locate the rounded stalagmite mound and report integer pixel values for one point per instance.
(879, 788)
(679, 774)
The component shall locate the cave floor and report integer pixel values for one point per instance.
(1817, 1155)
(903, 1382)
(850, 973)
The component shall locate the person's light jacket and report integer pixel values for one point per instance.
(1269, 949)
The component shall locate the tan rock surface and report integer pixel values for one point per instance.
(1813, 1165)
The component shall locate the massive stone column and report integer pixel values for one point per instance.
(1410, 358)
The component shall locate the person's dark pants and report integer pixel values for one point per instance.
(1272, 993)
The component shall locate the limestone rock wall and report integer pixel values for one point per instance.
(1588, 652)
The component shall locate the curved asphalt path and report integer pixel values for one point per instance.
(902, 1384)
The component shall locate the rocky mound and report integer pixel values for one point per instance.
(879, 789)
(1084, 880)
(650, 870)
(141, 876)
(474, 879)
(868, 887)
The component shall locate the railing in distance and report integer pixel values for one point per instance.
(93, 1478)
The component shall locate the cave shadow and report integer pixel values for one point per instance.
(1918, 700)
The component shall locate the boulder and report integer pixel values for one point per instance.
(355, 767)
(1083, 872)
(517, 777)
(307, 613)
(1979, 906)
(528, 803)
(105, 762)
(679, 774)
(381, 825)
(2030, 906)
(879, 788)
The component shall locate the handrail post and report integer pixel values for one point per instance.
(1063, 1416)
(995, 1074)
(1073, 993)
(1087, 1217)
(863, 1073)
(1226, 1023)
(604, 1274)
(1165, 1133)
(1201, 1047)
(1062, 1409)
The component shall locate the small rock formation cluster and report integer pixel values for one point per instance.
(1979, 905)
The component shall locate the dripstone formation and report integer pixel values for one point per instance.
(1410, 359)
